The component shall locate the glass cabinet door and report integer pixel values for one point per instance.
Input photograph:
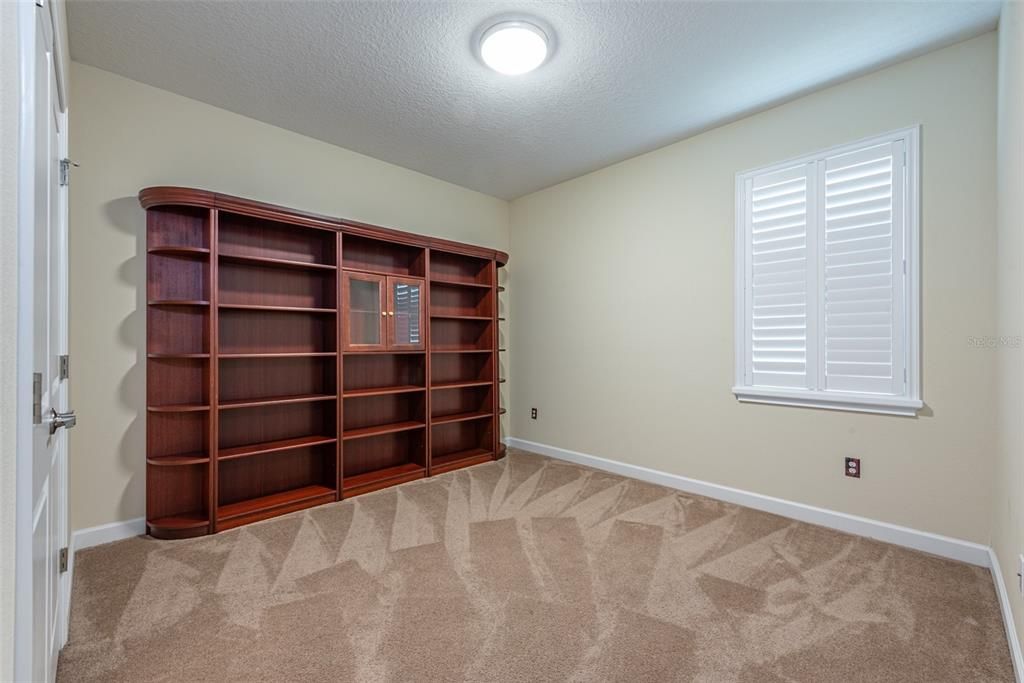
(365, 311)
(405, 313)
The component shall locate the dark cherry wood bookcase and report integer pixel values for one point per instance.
(296, 359)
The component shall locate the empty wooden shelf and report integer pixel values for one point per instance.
(381, 478)
(178, 408)
(453, 461)
(381, 391)
(461, 385)
(175, 460)
(247, 450)
(179, 251)
(295, 359)
(273, 262)
(275, 400)
(386, 428)
(255, 509)
(183, 525)
(462, 417)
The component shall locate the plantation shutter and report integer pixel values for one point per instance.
(780, 308)
(863, 270)
(827, 280)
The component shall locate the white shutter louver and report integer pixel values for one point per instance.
(827, 279)
(778, 217)
(863, 271)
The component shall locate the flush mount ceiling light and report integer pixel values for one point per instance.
(513, 47)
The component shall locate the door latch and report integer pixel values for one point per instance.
(65, 171)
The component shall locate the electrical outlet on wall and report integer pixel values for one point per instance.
(853, 467)
(1020, 575)
(533, 413)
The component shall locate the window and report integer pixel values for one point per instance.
(827, 308)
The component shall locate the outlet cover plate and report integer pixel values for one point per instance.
(852, 468)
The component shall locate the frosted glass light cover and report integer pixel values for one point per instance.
(513, 47)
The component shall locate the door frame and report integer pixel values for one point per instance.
(26, 33)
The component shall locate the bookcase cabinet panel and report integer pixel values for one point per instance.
(175, 277)
(177, 434)
(176, 501)
(458, 335)
(173, 226)
(266, 378)
(384, 460)
(461, 402)
(177, 381)
(386, 412)
(367, 372)
(380, 256)
(250, 489)
(181, 330)
(262, 424)
(455, 300)
(458, 444)
(263, 475)
(454, 368)
(459, 268)
(249, 332)
(247, 236)
(269, 387)
(251, 284)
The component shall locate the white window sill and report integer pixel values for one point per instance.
(859, 403)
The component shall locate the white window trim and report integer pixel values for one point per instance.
(907, 405)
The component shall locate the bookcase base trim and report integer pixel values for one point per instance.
(174, 533)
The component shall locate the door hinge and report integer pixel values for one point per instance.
(63, 366)
(37, 398)
(63, 560)
(65, 171)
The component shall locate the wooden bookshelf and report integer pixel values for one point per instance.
(179, 335)
(296, 359)
(463, 344)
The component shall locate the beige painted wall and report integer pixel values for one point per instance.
(127, 136)
(1008, 510)
(624, 308)
(8, 324)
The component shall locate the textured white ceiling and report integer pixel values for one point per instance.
(399, 81)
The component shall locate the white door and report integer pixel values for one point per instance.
(49, 344)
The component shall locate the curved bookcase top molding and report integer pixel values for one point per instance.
(169, 195)
(151, 197)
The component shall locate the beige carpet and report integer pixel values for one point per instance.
(530, 569)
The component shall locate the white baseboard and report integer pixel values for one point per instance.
(107, 533)
(1004, 605)
(943, 546)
